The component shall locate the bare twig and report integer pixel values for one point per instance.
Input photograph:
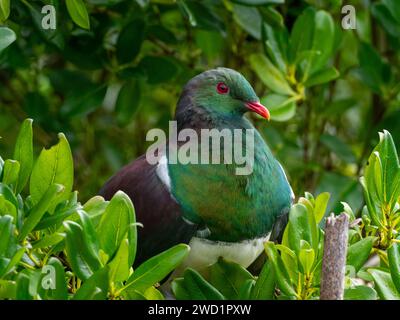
(334, 259)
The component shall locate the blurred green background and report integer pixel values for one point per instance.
(113, 69)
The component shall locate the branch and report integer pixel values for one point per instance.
(334, 259)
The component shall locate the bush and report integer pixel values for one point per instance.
(53, 247)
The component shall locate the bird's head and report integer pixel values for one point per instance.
(223, 91)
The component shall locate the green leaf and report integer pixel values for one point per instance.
(119, 266)
(157, 268)
(48, 241)
(270, 75)
(321, 203)
(393, 254)
(37, 212)
(6, 228)
(53, 166)
(158, 69)
(200, 15)
(94, 288)
(228, 278)
(322, 76)
(301, 37)
(7, 36)
(249, 19)
(52, 284)
(306, 259)
(78, 13)
(10, 171)
(130, 41)
(7, 208)
(16, 258)
(373, 70)
(114, 223)
(194, 287)
(359, 252)
(281, 274)
(323, 41)
(303, 227)
(275, 40)
(265, 283)
(81, 258)
(23, 153)
(394, 8)
(4, 10)
(246, 289)
(22, 289)
(8, 289)
(128, 102)
(384, 284)
(360, 293)
(282, 108)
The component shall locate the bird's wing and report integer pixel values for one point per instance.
(155, 208)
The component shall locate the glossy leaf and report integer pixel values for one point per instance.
(114, 223)
(228, 278)
(10, 171)
(393, 254)
(281, 274)
(78, 13)
(359, 252)
(360, 293)
(54, 165)
(157, 268)
(80, 256)
(94, 288)
(40, 209)
(193, 286)
(265, 284)
(384, 285)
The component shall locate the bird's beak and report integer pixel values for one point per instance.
(257, 107)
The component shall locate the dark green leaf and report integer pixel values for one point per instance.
(128, 101)
(130, 41)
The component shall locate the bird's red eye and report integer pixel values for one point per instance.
(222, 88)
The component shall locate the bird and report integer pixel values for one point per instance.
(210, 207)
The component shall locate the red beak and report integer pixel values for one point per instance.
(257, 107)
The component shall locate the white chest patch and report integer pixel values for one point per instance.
(162, 172)
(204, 252)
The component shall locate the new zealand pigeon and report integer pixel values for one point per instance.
(218, 212)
